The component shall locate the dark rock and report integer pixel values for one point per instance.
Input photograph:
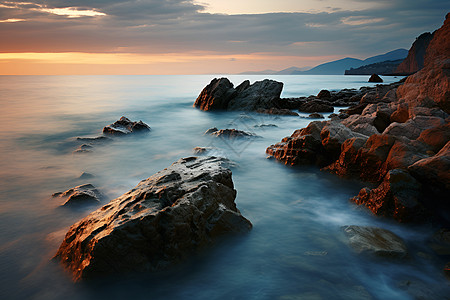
(416, 55)
(324, 94)
(160, 222)
(440, 242)
(356, 109)
(124, 126)
(396, 197)
(375, 241)
(243, 86)
(382, 120)
(211, 130)
(260, 95)
(277, 111)
(85, 194)
(316, 106)
(265, 125)
(291, 103)
(95, 140)
(216, 95)
(232, 133)
(316, 116)
(375, 78)
(86, 175)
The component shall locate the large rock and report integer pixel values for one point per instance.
(160, 222)
(396, 197)
(85, 194)
(416, 55)
(230, 133)
(316, 106)
(375, 241)
(375, 78)
(413, 128)
(124, 126)
(216, 95)
(220, 94)
(260, 95)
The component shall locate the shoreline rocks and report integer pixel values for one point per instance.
(160, 222)
(85, 194)
(124, 126)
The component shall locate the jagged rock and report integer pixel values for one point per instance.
(316, 106)
(375, 241)
(124, 126)
(260, 95)
(375, 78)
(160, 222)
(277, 111)
(216, 95)
(85, 194)
(203, 150)
(232, 133)
(416, 55)
(382, 120)
(324, 94)
(211, 130)
(291, 103)
(440, 242)
(396, 197)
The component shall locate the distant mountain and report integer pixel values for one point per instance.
(338, 67)
(387, 67)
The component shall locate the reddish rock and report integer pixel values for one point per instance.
(436, 137)
(416, 55)
(162, 221)
(216, 95)
(413, 127)
(401, 115)
(397, 197)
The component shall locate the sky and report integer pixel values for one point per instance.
(203, 37)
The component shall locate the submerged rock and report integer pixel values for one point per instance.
(375, 241)
(277, 111)
(85, 148)
(124, 126)
(85, 194)
(160, 222)
(231, 133)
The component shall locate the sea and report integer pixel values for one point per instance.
(296, 249)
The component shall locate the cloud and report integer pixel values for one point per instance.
(176, 26)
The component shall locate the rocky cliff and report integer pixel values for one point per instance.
(416, 55)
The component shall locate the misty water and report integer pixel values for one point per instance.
(296, 249)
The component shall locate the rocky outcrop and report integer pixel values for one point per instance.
(160, 222)
(85, 194)
(124, 126)
(416, 55)
(397, 137)
(396, 197)
(375, 241)
(316, 106)
(229, 133)
(277, 111)
(375, 78)
(221, 95)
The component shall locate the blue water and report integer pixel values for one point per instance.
(296, 249)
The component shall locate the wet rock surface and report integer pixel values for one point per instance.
(124, 126)
(395, 136)
(229, 133)
(85, 194)
(160, 222)
(375, 241)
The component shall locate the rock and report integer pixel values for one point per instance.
(260, 95)
(396, 197)
(375, 78)
(375, 241)
(85, 148)
(277, 111)
(124, 126)
(264, 125)
(85, 194)
(416, 55)
(232, 133)
(216, 95)
(316, 106)
(86, 175)
(356, 109)
(316, 116)
(401, 115)
(436, 137)
(211, 130)
(413, 127)
(95, 140)
(160, 222)
(382, 120)
(440, 242)
(203, 150)
(324, 94)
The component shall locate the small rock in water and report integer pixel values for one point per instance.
(85, 148)
(232, 133)
(86, 175)
(211, 130)
(124, 126)
(203, 150)
(316, 116)
(375, 78)
(375, 241)
(265, 125)
(80, 195)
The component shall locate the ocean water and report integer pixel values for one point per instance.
(296, 249)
